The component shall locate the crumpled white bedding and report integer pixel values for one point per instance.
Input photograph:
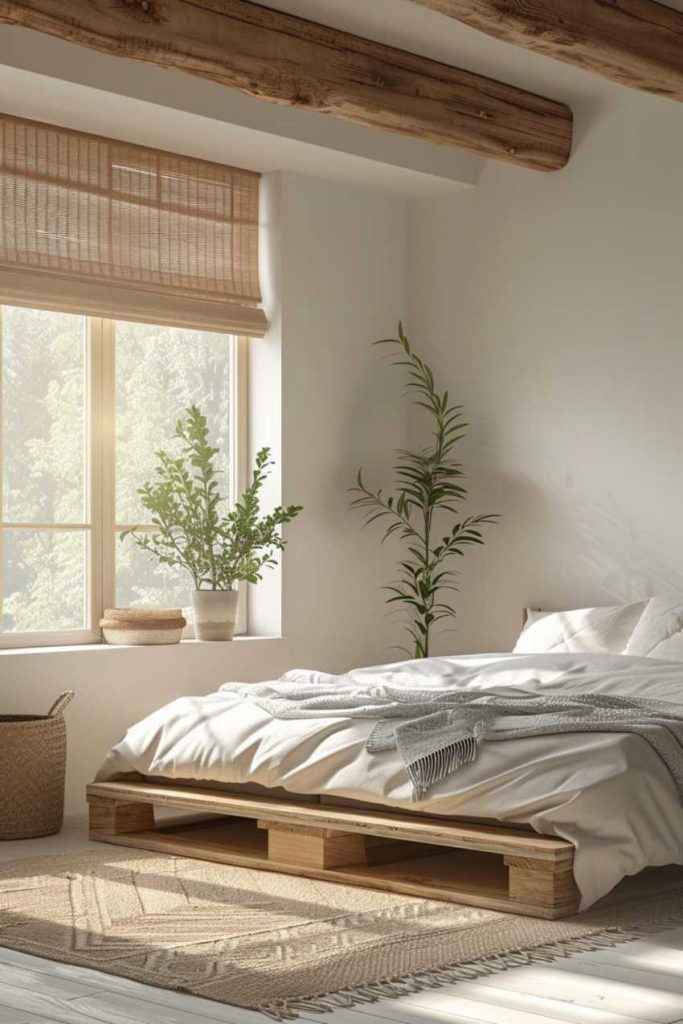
(609, 794)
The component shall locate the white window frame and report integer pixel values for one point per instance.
(100, 487)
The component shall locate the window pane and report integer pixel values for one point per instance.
(44, 574)
(43, 416)
(159, 372)
(141, 581)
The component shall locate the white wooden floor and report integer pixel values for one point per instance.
(636, 982)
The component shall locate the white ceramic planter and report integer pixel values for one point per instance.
(215, 614)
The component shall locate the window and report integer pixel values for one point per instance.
(86, 403)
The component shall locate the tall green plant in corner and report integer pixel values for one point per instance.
(424, 505)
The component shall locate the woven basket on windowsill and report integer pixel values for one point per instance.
(144, 626)
(32, 767)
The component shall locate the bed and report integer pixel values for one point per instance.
(542, 825)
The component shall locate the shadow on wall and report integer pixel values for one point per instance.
(494, 579)
(555, 549)
(618, 554)
(587, 112)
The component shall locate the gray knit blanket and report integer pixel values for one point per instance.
(436, 732)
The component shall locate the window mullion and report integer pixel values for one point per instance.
(108, 485)
(239, 448)
(101, 467)
(94, 491)
(2, 473)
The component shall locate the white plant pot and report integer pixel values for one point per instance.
(215, 614)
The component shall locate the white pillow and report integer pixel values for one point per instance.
(580, 631)
(659, 634)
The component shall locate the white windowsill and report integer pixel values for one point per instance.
(203, 644)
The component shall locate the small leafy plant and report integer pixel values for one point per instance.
(217, 548)
(423, 506)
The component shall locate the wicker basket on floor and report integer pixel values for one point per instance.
(32, 768)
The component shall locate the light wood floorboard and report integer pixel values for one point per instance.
(489, 1003)
(9, 1016)
(663, 955)
(636, 983)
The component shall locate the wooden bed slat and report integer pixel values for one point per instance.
(478, 865)
(393, 825)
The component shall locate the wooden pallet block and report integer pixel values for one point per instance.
(479, 865)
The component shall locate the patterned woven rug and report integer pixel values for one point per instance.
(283, 944)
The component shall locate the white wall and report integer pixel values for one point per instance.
(344, 286)
(552, 306)
(324, 401)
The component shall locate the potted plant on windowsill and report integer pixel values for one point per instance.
(218, 548)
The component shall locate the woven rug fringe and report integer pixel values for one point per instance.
(420, 981)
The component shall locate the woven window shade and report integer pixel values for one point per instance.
(107, 228)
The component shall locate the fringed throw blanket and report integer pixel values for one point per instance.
(437, 731)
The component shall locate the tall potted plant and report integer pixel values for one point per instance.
(217, 548)
(423, 511)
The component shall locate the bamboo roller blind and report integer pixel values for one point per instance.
(92, 225)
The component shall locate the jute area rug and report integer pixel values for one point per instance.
(283, 944)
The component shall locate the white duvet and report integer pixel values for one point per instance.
(609, 794)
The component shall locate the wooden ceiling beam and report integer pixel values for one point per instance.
(635, 42)
(299, 63)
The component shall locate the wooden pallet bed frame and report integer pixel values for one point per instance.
(439, 858)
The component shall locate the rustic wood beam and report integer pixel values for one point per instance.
(635, 42)
(292, 61)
